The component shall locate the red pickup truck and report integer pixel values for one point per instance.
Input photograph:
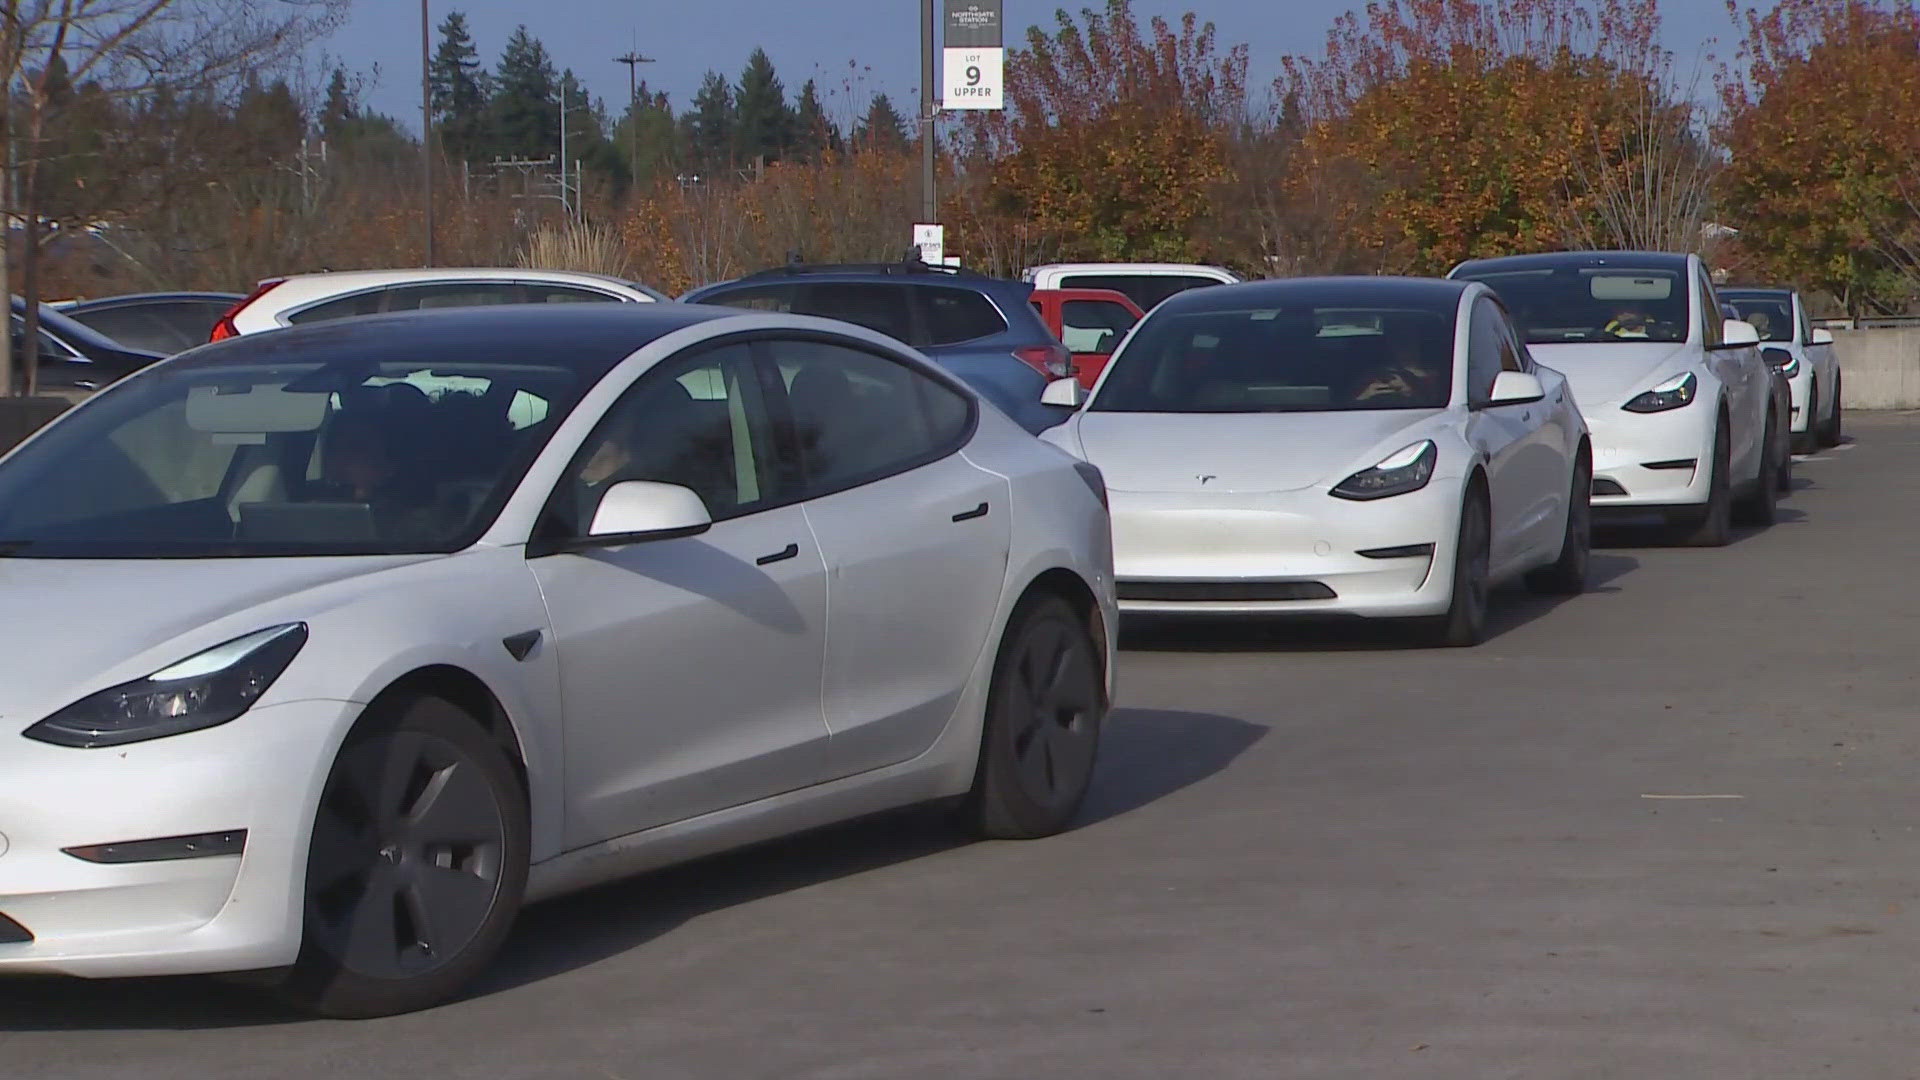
(1089, 322)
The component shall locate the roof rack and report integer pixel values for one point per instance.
(910, 265)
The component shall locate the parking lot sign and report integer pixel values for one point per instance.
(974, 59)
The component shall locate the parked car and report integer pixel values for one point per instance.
(1678, 398)
(442, 612)
(1808, 360)
(1089, 322)
(164, 323)
(307, 298)
(75, 358)
(979, 328)
(1146, 284)
(1335, 446)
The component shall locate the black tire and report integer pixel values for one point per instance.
(1465, 623)
(422, 833)
(1044, 711)
(1810, 440)
(1711, 525)
(1567, 575)
(1832, 434)
(1761, 506)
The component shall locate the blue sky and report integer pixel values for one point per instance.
(816, 39)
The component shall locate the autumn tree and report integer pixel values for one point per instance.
(1823, 130)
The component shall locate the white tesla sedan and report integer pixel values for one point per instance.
(330, 646)
(1381, 447)
(1678, 397)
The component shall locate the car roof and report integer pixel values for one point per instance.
(868, 274)
(1125, 267)
(599, 335)
(1577, 260)
(1434, 293)
(301, 287)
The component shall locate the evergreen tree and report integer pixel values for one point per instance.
(813, 131)
(647, 138)
(709, 125)
(525, 110)
(460, 91)
(339, 108)
(882, 128)
(763, 123)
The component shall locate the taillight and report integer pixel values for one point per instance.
(1053, 361)
(225, 329)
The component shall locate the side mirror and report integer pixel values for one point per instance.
(1821, 336)
(636, 510)
(1066, 393)
(1737, 332)
(1777, 358)
(1516, 388)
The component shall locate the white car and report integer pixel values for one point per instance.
(1381, 447)
(1678, 397)
(332, 645)
(1146, 284)
(305, 298)
(1805, 355)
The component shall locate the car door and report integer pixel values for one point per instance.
(690, 667)
(914, 535)
(1749, 383)
(1820, 357)
(1544, 461)
(1499, 433)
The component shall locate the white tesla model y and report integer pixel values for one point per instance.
(1382, 447)
(327, 647)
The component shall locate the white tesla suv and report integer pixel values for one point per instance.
(1678, 397)
(1804, 354)
(1381, 447)
(332, 645)
(309, 298)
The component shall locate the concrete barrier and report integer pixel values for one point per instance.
(1881, 367)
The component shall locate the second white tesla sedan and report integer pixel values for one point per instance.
(1678, 397)
(326, 647)
(1381, 447)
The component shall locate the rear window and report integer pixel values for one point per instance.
(956, 315)
(917, 315)
(1146, 290)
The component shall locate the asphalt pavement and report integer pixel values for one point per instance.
(1660, 830)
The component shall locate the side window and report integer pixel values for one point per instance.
(1093, 326)
(453, 294)
(1486, 341)
(366, 303)
(538, 293)
(956, 315)
(886, 308)
(1800, 319)
(1512, 358)
(762, 298)
(1710, 318)
(859, 416)
(700, 421)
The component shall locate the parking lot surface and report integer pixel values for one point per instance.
(1661, 830)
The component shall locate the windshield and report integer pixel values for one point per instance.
(1308, 359)
(342, 457)
(1592, 304)
(1771, 315)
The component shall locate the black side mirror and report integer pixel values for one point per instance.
(1777, 357)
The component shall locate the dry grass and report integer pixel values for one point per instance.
(587, 248)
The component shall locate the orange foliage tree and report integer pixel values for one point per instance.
(1822, 123)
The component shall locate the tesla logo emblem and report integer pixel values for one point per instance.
(1207, 477)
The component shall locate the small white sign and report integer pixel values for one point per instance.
(932, 242)
(973, 79)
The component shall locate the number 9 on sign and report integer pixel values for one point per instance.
(973, 75)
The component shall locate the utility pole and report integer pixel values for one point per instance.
(426, 124)
(929, 106)
(633, 60)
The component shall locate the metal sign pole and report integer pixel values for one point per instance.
(929, 105)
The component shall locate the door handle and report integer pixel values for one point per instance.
(785, 553)
(968, 515)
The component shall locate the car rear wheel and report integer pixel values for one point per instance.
(1761, 505)
(1831, 434)
(1711, 525)
(417, 866)
(1465, 623)
(1044, 710)
(1567, 575)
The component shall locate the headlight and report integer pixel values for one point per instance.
(202, 691)
(1407, 469)
(1672, 394)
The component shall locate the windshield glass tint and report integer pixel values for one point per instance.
(1588, 304)
(1772, 316)
(1283, 360)
(291, 458)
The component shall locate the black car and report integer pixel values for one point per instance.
(74, 357)
(164, 323)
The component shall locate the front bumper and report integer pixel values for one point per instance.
(1206, 545)
(1647, 461)
(261, 773)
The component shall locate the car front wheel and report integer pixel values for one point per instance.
(1711, 525)
(1465, 623)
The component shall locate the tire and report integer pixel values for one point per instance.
(1567, 575)
(1042, 733)
(1831, 434)
(422, 832)
(1465, 623)
(1761, 505)
(1810, 440)
(1712, 525)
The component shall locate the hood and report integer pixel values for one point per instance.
(1237, 452)
(1605, 372)
(97, 623)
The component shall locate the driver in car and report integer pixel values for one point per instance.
(1627, 323)
(1406, 378)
